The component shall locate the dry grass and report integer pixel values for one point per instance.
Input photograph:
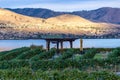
(67, 24)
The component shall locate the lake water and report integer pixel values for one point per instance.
(87, 43)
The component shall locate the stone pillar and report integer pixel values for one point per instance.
(71, 44)
(61, 44)
(81, 44)
(57, 47)
(47, 45)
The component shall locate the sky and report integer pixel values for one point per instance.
(60, 5)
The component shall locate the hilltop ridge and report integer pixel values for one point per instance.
(104, 14)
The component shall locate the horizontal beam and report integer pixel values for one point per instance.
(60, 40)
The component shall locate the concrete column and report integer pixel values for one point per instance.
(47, 45)
(81, 44)
(71, 44)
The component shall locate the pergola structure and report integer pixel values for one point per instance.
(60, 41)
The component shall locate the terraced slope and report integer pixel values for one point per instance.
(13, 53)
(38, 58)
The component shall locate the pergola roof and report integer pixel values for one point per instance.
(60, 39)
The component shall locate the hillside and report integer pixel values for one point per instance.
(105, 14)
(36, 12)
(35, 63)
(16, 25)
(68, 18)
(17, 20)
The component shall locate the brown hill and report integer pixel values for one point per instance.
(68, 18)
(66, 24)
(18, 21)
(6, 15)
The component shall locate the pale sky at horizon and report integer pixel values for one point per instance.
(60, 5)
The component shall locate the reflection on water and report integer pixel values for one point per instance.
(98, 43)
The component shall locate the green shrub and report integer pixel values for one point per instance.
(82, 64)
(44, 55)
(30, 53)
(13, 54)
(67, 54)
(3, 53)
(13, 64)
(114, 53)
(89, 54)
(66, 74)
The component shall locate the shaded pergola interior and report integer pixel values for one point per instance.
(59, 41)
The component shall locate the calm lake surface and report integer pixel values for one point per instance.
(87, 43)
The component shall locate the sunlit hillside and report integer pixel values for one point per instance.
(65, 24)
